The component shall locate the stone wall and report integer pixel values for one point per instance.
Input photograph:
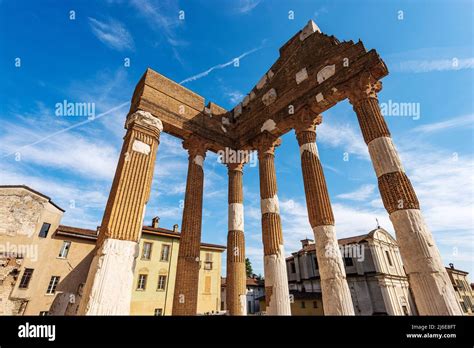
(20, 211)
(9, 272)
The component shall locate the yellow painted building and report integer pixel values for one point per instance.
(155, 274)
(53, 261)
(302, 303)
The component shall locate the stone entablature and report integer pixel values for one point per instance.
(320, 66)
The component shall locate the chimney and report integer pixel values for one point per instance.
(306, 242)
(155, 222)
(175, 228)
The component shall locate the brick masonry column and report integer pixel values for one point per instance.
(432, 289)
(335, 291)
(236, 279)
(187, 272)
(109, 284)
(276, 279)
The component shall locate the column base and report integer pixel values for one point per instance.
(337, 298)
(276, 284)
(429, 281)
(243, 304)
(109, 285)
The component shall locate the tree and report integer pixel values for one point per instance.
(248, 268)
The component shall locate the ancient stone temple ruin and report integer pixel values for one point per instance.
(313, 73)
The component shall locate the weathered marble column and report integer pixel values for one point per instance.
(187, 272)
(432, 289)
(236, 282)
(276, 279)
(109, 284)
(335, 291)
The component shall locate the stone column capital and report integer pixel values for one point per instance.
(145, 120)
(304, 123)
(196, 146)
(365, 86)
(266, 143)
(235, 166)
(306, 119)
(234, 159)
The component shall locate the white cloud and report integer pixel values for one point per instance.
(361, 194)
(246, 6)
(84, 204)
(218, 66)
(112, 33)
(456, 122)
(70, 152)
(163, 17)
(320, 11)
(444, 185)
(342, 136)
(234, 96)
(423, 66)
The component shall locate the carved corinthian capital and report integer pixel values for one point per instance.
(144, 119)
(306, 120)
(265, 143)
(196, 146)
(363, 87)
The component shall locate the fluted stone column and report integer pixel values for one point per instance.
(335, 291)
(432, 289)
(187, 272)
(236, 282)
(276, 278)
(109, 284)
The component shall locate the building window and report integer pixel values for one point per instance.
(207, 285)
(64, 249)
(25, 279)
(165, 252)
(44, 230)
(315, 304)
(405, 310)
(158, 311)
(161, 282)
(463, 305)
(43, 313)
(141, 282)
(467, 301)
(146, 253)
(303, 304)
(460, 285)
(53, 283)
(316, 265)
(293, 267)
(388, 258)
(208, 262)
(348, 261)
(466, 285)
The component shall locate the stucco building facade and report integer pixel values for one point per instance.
(155, 274)
(464, 291)
(44, 264)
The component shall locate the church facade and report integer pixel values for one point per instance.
(375, 273)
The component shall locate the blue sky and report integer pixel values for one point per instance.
(427, 45)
